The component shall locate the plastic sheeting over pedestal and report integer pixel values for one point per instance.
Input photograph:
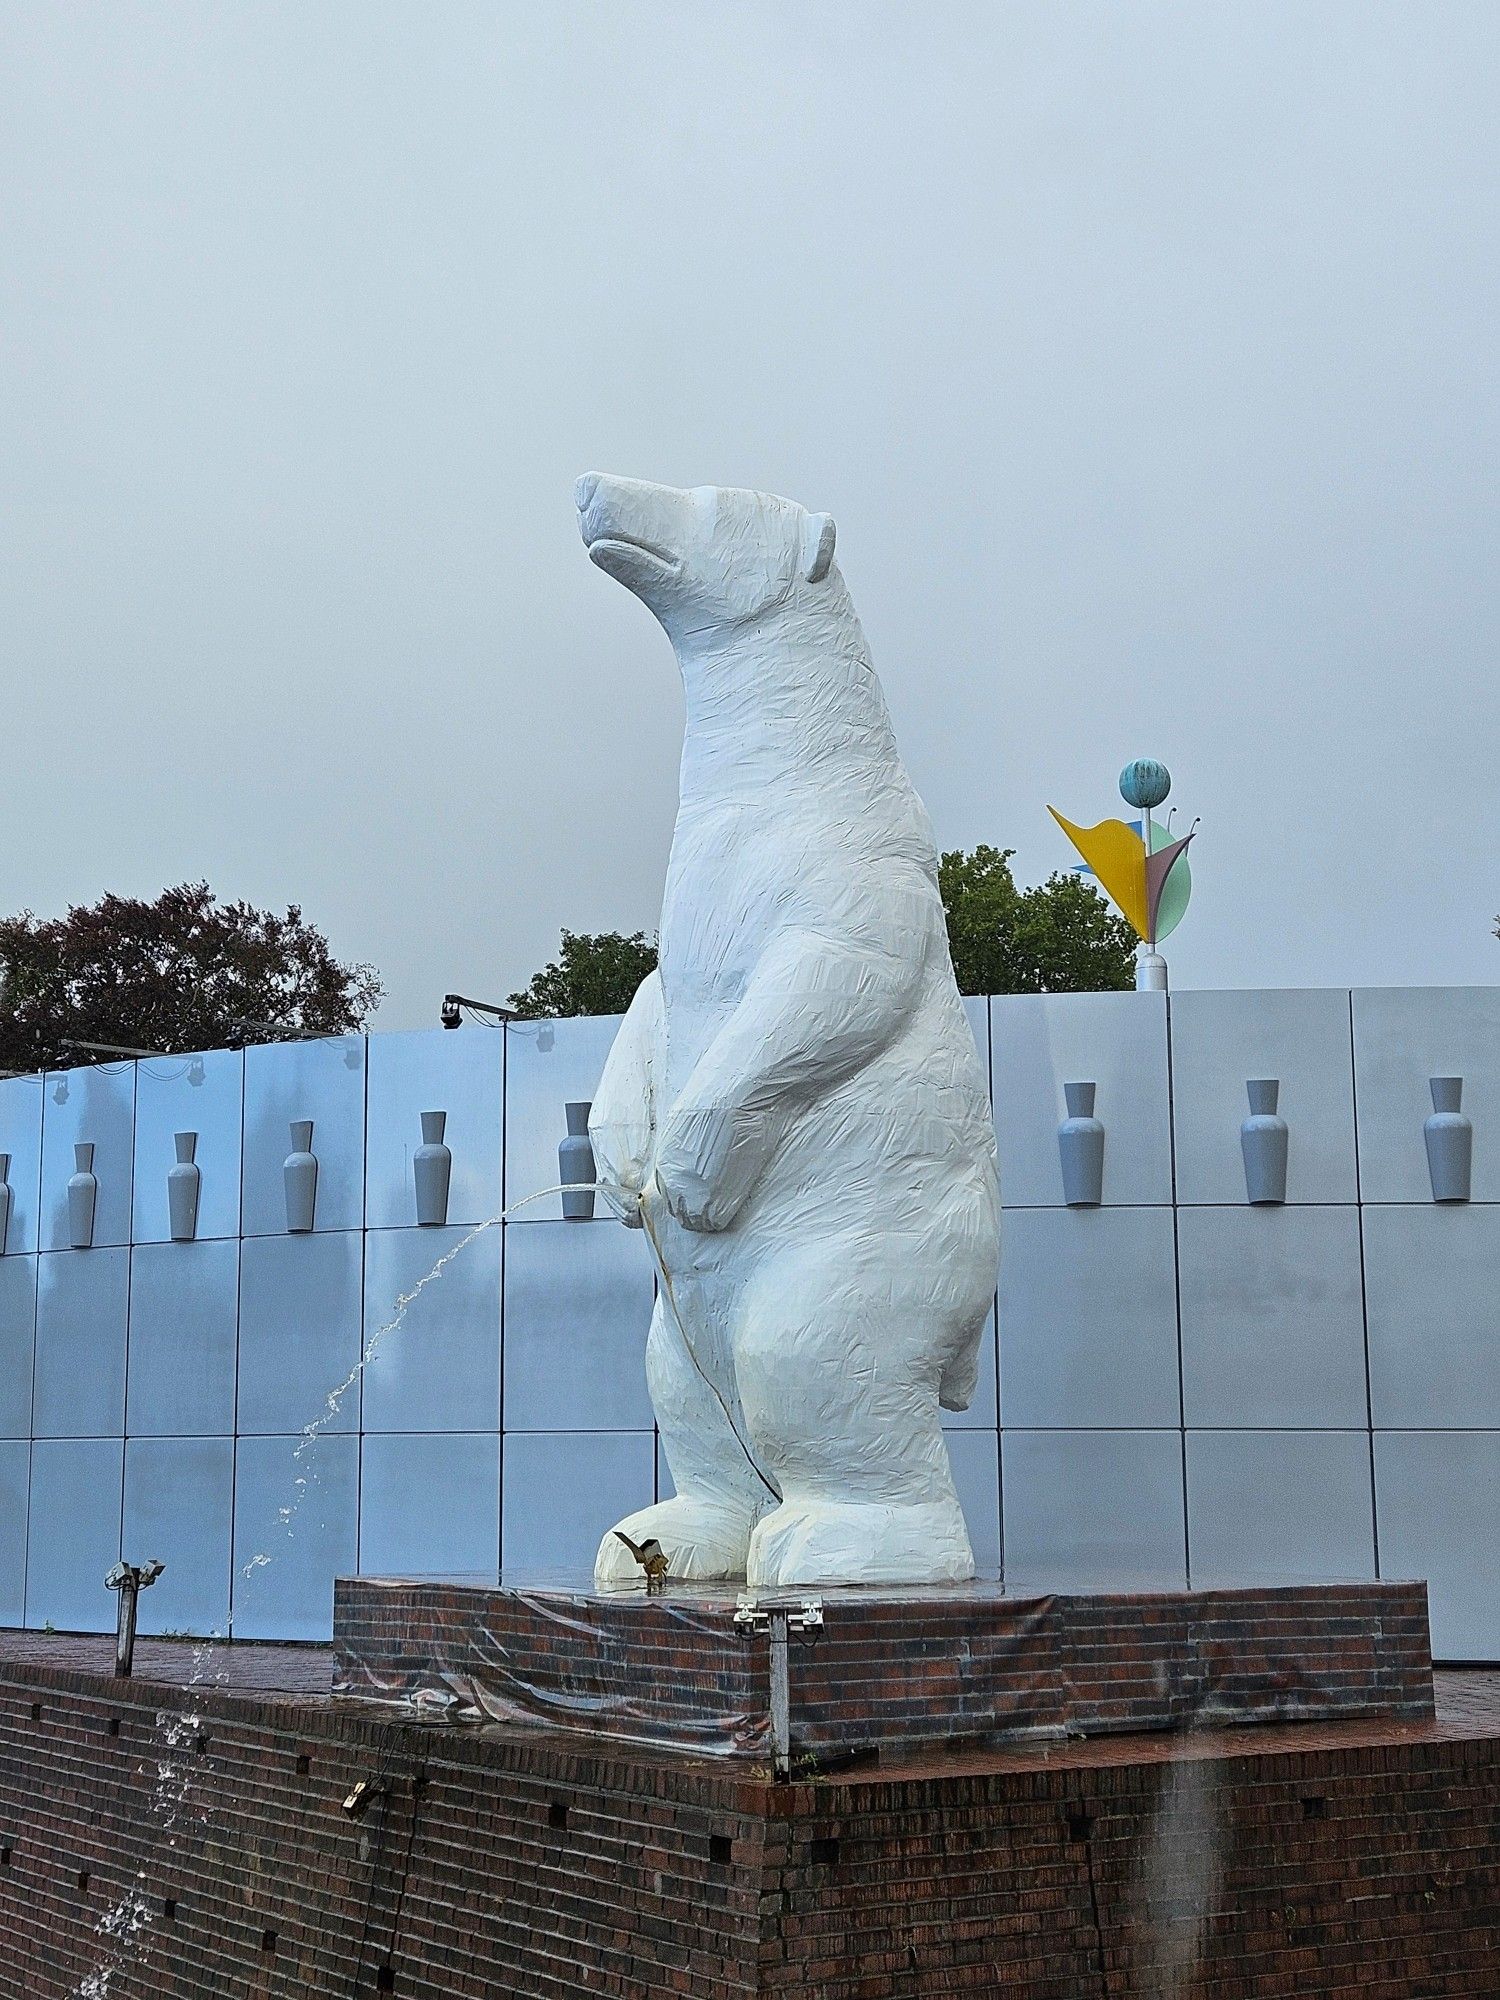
(887, 1672)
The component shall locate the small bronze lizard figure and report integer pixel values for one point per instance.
(652, 1559)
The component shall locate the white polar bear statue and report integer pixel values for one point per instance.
(793, 1106)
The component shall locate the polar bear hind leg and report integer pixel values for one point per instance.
(839, 1383)
(704, 1529)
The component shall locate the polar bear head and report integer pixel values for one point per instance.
(709, 556)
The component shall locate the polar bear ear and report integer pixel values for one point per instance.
(818, 537)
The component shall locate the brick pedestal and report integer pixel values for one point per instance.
(890, 1671)
(1320, 1861)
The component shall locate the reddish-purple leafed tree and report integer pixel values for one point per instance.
(184, 972)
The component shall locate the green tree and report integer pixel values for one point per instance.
(184, 972)
(594, 973)
(1061, 937)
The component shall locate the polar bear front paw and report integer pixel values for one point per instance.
(702, 1540)
(818, 1541)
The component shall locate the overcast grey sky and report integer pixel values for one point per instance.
(1145, 354)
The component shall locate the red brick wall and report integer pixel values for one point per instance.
(514, 1866)
(1370, 1872)
(277, 1893)
(893, 1667)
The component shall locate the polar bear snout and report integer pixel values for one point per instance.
(636, 532)
(634, 512)
(704, 556)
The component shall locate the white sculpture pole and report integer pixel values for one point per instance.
(794, 1100)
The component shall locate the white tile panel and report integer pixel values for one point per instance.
(15, 1482)
(17, 1344)
(578, 1305)
(548, 1064)
(202, 1094)
(74, 1533)
(21, 1137)
(94, 1107)
(1403, 1035)
(1437, 1506)
(179, 1507)
(81, 1316)
(436, 1365)
(974, 1457)
(562, 1491)
(1093, 1509)
(323, 1081)
(1117, 1041)
(433, 1069)
(1301, 1037)
(301, 1301)
(1433, 1309)
(184, 1308)
(1279, 1507)
(430, 1506)
(290, 1594)
(1272, 1318)
(1088, 1318)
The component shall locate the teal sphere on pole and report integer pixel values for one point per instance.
(1145, 783)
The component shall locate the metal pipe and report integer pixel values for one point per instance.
(451, 1013)
(778, 1622)
(108, 1048)
(129, 1579)
(781, 1696)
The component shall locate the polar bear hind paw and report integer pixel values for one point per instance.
(702, 1540)
(817, 1541)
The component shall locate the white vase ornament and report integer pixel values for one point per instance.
(1080, 1146)
(299, 1173)
(83, 1194)
(1450, 1140)
(1263, 1144)
(432, 1169)
(184, 1180)
(575, 1165)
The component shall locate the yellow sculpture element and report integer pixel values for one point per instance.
(1117, 855)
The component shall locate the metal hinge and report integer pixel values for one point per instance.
(751, 1615)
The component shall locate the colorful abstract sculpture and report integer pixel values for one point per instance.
(1142, 869)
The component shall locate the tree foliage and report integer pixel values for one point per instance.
(1060, 937)
(184, 972)
(594, 973)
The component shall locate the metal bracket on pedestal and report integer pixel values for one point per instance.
(130, 1579)
(777, 1621)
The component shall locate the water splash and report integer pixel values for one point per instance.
(125, 1927)
(334, 1401)
(1178, 1877)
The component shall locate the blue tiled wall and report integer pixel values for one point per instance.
(1182, 1387)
